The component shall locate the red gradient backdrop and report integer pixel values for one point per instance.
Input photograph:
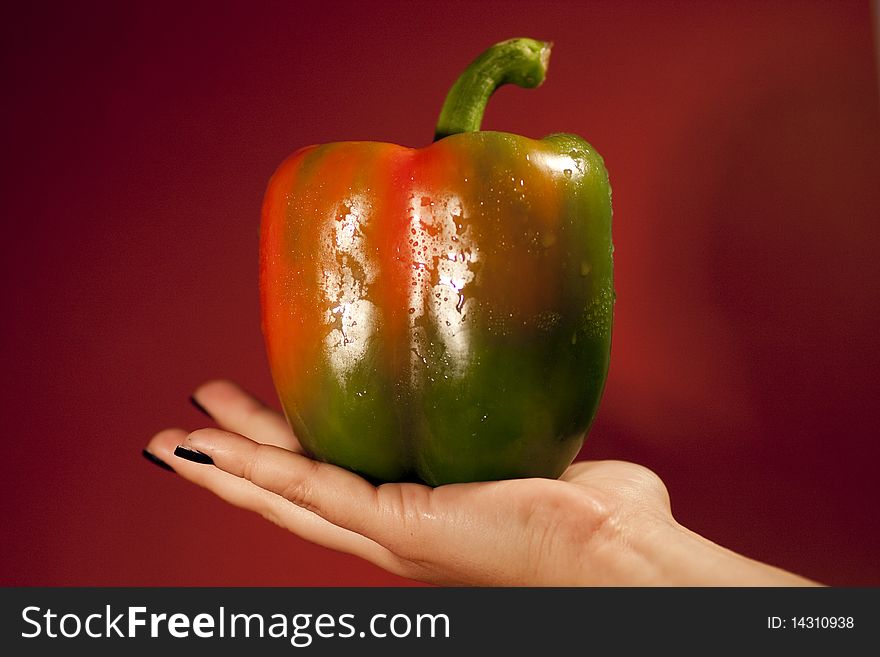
(743, 142)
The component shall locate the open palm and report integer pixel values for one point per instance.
(600, 523)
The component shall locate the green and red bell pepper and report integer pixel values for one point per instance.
(442, 314)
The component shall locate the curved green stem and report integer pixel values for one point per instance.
(522, 62)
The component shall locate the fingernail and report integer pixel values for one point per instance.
(152, 458)
(199, 407)
(192, 455)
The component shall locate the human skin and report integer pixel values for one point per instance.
(602, 523)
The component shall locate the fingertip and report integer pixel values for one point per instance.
(198, 406)
(163, 443)
(216, 388)
(159, 450)
(155, 460)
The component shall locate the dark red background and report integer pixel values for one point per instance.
(137, 139)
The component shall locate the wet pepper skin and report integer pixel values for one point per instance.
(440, 314)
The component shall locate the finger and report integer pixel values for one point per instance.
(245, 494)
(238, 411)
(337, 495)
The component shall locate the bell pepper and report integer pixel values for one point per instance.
(442, 314)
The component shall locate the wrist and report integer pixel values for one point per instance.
(658, 551)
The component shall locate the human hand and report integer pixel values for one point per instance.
(601, 523)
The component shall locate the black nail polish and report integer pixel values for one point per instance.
(152, 458)
(192, 455)
(199, 407)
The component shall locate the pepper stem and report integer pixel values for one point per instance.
(522, 62)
